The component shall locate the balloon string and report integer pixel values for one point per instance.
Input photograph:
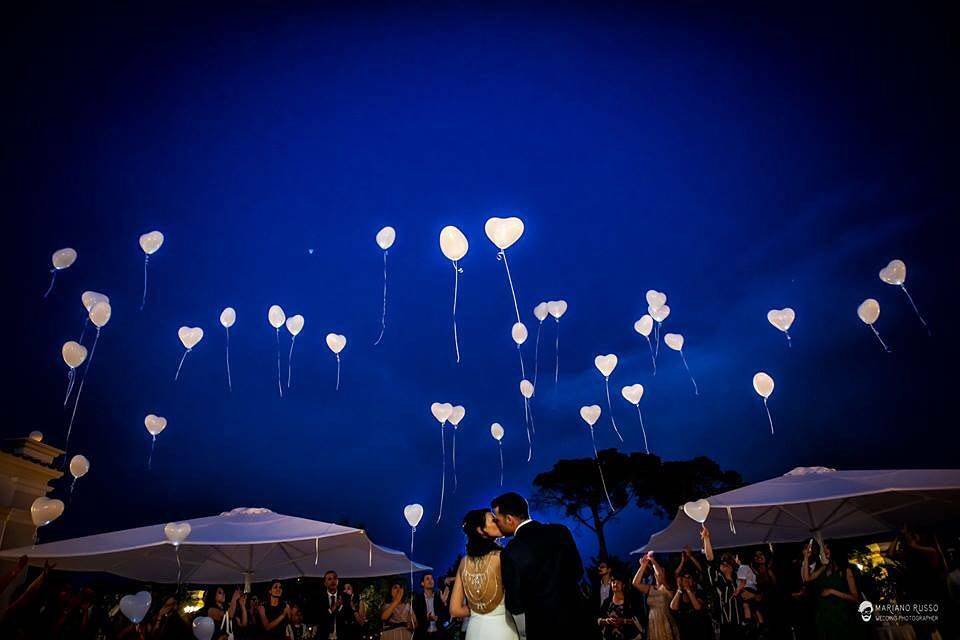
(789, 341)
(643, 430)
(181, 364)
(556, 371)
(316, 555)
(529, 438)
(533, 426)
(500, 448)
(279, 384)
(653, 357)
(83, 331)
(536, 357)
(229, 381)
(179, 566)
(600, 469)
(454, 458)
(72, 485)
(338, 372)
(656, 334)
(443, 472)
(76, 400)
(513, 292)
(769, 417)
(53, 278)
(882, 343)
(523, 371)
(696, 391)
(916, 310)
(146, 259)
(413, 530)
(383, 318)
(456, 288)
(293, 341)
(606, 384)
(71, 378)
(150, 457)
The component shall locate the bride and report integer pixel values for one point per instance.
(478, 582)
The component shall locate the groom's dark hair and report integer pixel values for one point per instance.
(512, 504)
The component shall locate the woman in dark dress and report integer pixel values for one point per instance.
(618, 619)
(274, 613)
(228, 619)
(689, 607)
(835, 593)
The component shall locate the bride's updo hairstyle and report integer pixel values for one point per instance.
(478, 545)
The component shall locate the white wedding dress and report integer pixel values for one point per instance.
(489, 619)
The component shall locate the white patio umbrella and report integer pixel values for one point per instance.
(248, 545)
(820, 503)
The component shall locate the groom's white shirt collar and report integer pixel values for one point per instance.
(521, 524)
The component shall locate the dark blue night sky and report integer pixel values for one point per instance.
(739, 160)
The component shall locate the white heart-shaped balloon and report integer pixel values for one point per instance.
(453, 243)
(227, 317)
(632, 393)
(781, 318)
(590, 414)
(526, 389)
(73, 353)
(660, 313)
(413, 513)
(150, 242)
(336, 342)
(63, 258)
(203, 628)
(190, 336)
(36, 436)
(698, 510)
(155, 424)
(90, 298)
(557, 308)
(386, 237)
(441, 411)
(176, 532)
(606, 364)
(457, 415)
(519, 333)
(503, 232)
(45, 510)
(656, 299)
(79, 466)
(763, 384)
(135, 607)
(674, 341)
(894, 273)
(540, 311)
(276, 316)
(295, 324)
(496, 431)
(869, 310)
(644, 326)
(100, 314)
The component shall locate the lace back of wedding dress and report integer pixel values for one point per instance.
(481, 582)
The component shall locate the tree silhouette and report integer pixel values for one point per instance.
(680, 481)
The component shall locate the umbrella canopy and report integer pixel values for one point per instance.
(252, 545)
(817, 502)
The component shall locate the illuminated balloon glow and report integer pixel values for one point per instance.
(61, 259)
(276, 317)
(527, 390)
(496, 431)
(79, 466)
(135, 607)
(99, 315)
(590, 415)
(155, 425)
(675, 342)
(73, 354)
(455, 417)
(336, 342)
(605, 365)
(385, 239)
(895, 273)
(869, 312)
(782, 319)
(763, 385)
(89, 298)
(294, 326)
(519, 334)
(503, 233)
(557, 308)
(540, 313)
(632, 394)
(150, 243)
(227, 318)
(176, 533)
(644, 326)
(441, 412)
(454, 245)
(413, 514)
(189, 337)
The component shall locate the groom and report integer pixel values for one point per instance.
(541, 570)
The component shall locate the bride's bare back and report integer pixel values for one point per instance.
(479, 579)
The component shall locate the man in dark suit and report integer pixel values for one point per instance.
(337, 620)
(541, 570)
(430, 611)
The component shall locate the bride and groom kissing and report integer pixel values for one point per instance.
(529, 588)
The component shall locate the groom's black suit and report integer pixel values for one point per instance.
(541, 570)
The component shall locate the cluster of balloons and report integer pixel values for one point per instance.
(445, 412)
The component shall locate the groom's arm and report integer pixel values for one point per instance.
(513, 592)
(572, 554)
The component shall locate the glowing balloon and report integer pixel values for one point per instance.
(763, 385)
(659, 315)
(150, 243)
(61, 259)
(336, 342)
(227, 318)
(675, 342)
(36, 436)
(155, 425)
(503, 232)
(526, 390)
(590, 415)
(782, 319)
(895, 273)
(73, 354)
(135, 607)
(557, 308)
(45, 510)
(79, 466)
(90, 298)
(99, 315)
(632, 394)
(203, 627)
(605, 365)
(454, 246)
(644, 326)
(456, 416)
(442, 412)
(189, 337)
(294, 326)
(869, 312)
(697, 511)
(497, 432)
(655, 299)
(176, 532)
(540, 313)
(519, 333)
(385, 239)
(413, 513)
(276, 317)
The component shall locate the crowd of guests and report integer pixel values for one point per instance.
(698, 595)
